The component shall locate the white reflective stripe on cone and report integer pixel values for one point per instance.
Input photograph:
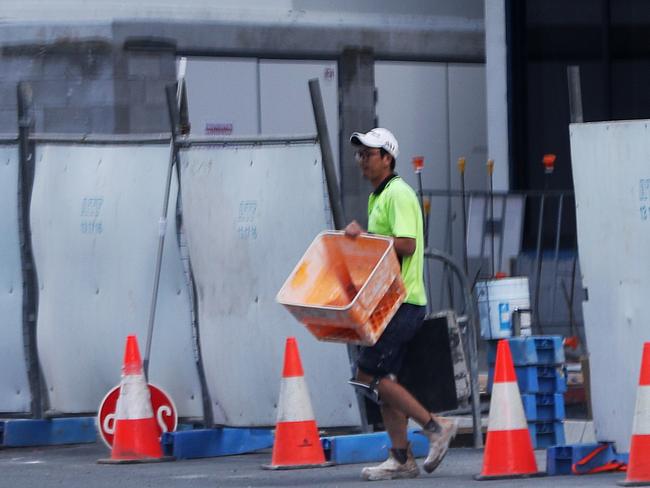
(506, 409)
(295, 405)
(134, 401)
(642, 411)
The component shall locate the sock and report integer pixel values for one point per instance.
(401, 455)
(432, 426)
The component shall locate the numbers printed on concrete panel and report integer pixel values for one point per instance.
(644, 198)
(91, 208)
(247, 220)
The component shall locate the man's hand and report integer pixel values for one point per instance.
(353, 229)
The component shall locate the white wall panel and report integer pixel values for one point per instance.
(222, 95)
(250, 212)
(612, 187)
(95, 213)
(285, 101)
(15, 396)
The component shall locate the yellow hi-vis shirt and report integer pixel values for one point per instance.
(394, 210)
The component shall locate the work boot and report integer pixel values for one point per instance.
(439, 442)
(392, 469)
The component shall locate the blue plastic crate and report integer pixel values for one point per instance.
(531, 350)
(543, 407)
(536, 379)
(560, 459)
(546, 434)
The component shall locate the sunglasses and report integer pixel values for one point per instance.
(362, 154)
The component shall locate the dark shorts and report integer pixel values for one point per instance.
(386, 356)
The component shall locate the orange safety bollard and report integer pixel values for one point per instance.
(136, 438)
(508, 449)
(297, 444)
(638, 468)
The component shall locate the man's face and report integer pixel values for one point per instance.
(374, 166)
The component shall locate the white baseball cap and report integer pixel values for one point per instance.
(377, 137)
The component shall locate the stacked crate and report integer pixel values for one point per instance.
(538, 362)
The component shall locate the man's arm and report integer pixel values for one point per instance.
(404, 246)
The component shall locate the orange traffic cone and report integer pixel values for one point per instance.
(136, 436)
(296, 444)
(638, 468)
(508, 449)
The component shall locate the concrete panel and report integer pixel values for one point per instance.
(612, 188)
(95, 225)
(249, 213)
(15, 396)
(467, 127)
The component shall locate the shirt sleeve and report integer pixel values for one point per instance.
(403, 215)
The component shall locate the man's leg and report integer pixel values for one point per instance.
(400, 463)
(398, 404)
(395, 423)
(399, 399)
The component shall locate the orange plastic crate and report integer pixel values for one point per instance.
(345, 290)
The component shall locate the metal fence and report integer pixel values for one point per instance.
(519, 233)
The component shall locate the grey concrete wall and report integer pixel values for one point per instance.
(86, 86)
(67, 10)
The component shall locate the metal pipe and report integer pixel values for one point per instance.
(538, 261)
(172, 105)
(471, 341)
(575, 94)
(425, 220)
(26, 170)
(485, 193)
(557, 252)
(162, 138)
(254, 140)
(490, 166)
(504, 201)
(461, 168)
(326, 151)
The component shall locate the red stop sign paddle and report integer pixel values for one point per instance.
(164, 412)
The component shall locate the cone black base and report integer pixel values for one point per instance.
(633, 483)
(479, 477)
(163, 459)
(297, 466)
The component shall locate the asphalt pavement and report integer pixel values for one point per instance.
(76, 467)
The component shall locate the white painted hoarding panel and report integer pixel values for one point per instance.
(15, 396)
(95, 225)
(250, 213)
(612, 186)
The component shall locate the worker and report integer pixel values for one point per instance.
(394, 210)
